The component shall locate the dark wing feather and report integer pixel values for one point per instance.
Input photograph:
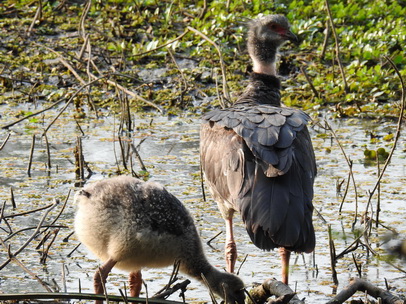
(277, 211)
(259, 158)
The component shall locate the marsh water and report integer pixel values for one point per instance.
(168, 146)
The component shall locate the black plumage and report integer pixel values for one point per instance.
(258, 158)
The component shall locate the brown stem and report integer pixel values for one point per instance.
(310, 82)
(82, 30)
(222, 64)
(31, 156)
(12, 199)
(325, 42)
(38, 16)
(71, 99)
(333, 257)
(5, 141)
(45, 252)
(138, 156)
(22, 247)
(48, 153)
(349, 162)
(337, 43)
(364, 286)
(398, 128)
(31, 115)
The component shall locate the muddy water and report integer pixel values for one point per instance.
(169, 150)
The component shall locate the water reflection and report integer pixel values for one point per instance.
(169, 150)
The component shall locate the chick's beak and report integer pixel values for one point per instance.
(291, 37)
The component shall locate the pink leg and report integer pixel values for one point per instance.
(285, 255)
(100, 277)
(231, 247)
(135, 282)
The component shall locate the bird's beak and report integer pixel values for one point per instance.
(291, 37)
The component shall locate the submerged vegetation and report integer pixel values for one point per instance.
(181, 54)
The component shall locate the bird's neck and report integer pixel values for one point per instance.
(264, 68)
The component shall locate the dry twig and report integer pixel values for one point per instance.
(349, 162)
(31, 156)
(38, 16)
(337, 44)
(222, 64)
(364, 286)
(5, 141)
(28, 241)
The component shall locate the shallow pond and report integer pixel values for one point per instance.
(169, 149)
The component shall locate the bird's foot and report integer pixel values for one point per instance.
(135, 283)
(231, 256)
(100, 278)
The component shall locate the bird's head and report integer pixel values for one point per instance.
(266, 34)
(227, 285)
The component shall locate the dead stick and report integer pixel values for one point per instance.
(333, 257)
(29, 211)
(364, 286)
(56, 201)
(124, 294)
(122, 149)
(138, 156)
(399, 126)
(172, 279)
(80, 296)
(222, 64)
(38, 16)
(48, 153)
(84, 46)
(325, 42)
(337, 42)
(13, 202)
(209, 241)
(179, 286)
(5, 141)
(22, 247)
(213, 298)
(73, 250)
(31, 156)
(70, 100)
(10, 230)
(44, 239)
(22, 266)
(45, 253)
(164, 45)
(185, 83)
(81, 160)
(378, 201)
(349, 162)
(357, 266)
(132, 94)
(310, 82)
(82, 31)
(65, 289)
(33, 114)
(64, 62)
(10, 236)
(347, 186)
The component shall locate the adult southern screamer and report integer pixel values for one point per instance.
(131, 224)
(258, 158)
